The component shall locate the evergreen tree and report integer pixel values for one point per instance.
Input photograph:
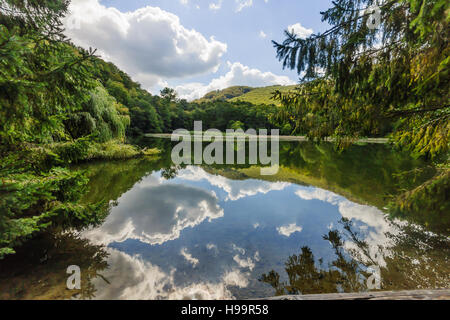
(377, 66)
(43, 78)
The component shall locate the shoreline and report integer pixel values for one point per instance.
(282, 138)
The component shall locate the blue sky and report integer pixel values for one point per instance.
(194, 46)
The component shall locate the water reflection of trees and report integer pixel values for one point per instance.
(415, 259)
(38, 269)
(373, 174)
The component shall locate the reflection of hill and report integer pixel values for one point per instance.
(363, 174)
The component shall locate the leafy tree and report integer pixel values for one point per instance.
(236, 125)
(101, 117)
(287, 129)
(395, 73)
(169, 94)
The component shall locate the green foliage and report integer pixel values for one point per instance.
(169, 94)
(84, 149)
(236, 125)
(112, 150)
(393, 76)
(31, 203)
(222, 114)
(154, 114)
(427, 204)
(51, 109)
(286, 130)
(392, 79)
(42, 77)
(73, 151)
(111, 117)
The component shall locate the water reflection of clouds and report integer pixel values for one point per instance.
(132, 278)
(319, 194)
(155, 213)
(235, 189)
(189, 258)
(288, 230)
(375, 226)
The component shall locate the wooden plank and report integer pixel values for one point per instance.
(441, 294)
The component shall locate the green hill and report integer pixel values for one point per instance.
(263, 95)
(225, 94)
(256, 96)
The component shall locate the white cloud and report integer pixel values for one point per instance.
(238, 249)
(244, 263)
(189, 258)
(132, 278)
(262, 34)
(235, 189)
(212, 247)
(319, 194)
(289, 229)
(236, 278)
(238, 74)
(215, 6)
(241, 4)
(300, 31)
(149, 43)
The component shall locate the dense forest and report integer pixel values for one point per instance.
(166, 113)
(61, 104)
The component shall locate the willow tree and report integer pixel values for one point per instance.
(381, 67)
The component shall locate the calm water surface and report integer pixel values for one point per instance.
(199, 232)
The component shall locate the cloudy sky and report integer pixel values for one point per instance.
(195, 46)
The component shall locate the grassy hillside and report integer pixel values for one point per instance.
(256, 96)
(225, 94)
(263, 95)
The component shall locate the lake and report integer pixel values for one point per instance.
(321, 225)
